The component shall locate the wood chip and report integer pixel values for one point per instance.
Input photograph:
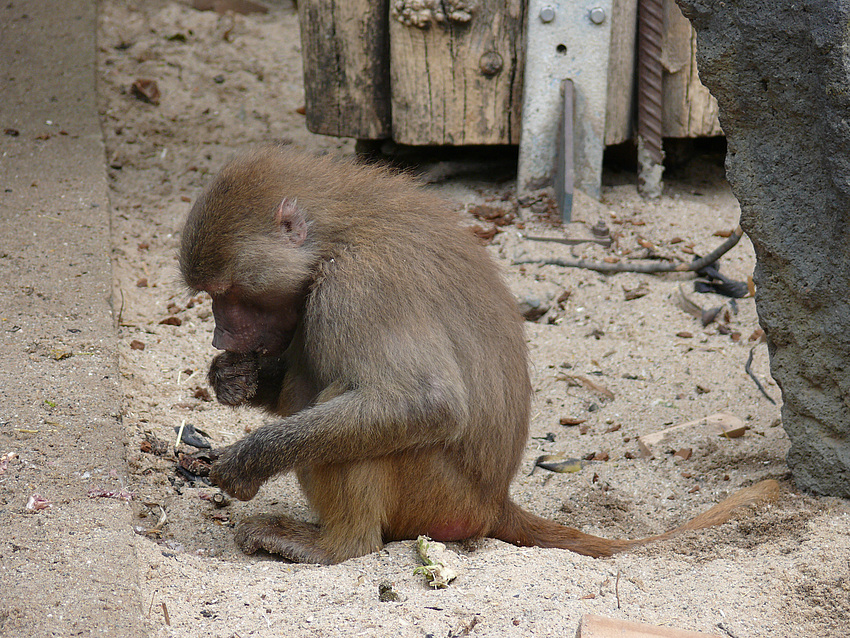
(565, 420)
(146, 90)
(684, 453)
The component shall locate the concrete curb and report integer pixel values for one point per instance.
(70, 569)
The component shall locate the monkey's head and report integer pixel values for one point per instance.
(249, 246)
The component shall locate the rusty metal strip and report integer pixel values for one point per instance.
(650, 96)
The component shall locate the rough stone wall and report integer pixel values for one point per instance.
(781, 74)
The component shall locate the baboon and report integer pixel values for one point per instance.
(350, 303)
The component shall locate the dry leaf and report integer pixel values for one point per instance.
(641, 290)
(37, 502)
(484, 234)
(146, 90)
(436, 559)
(596, 388)
(758, 335)
(559, 463)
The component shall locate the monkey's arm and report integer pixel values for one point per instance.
(356, 424)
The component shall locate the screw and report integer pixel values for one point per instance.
(547, 13)
(597, 15)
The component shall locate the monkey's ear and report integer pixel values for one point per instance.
(291, 221)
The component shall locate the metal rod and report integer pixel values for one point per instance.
(650, 97)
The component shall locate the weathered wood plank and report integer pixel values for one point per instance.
(620, 111)
(689, 109)
(600, 627)
(345, 51)
(456, 76)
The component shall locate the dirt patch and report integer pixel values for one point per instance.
(228, 81)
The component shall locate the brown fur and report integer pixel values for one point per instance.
(352, 305)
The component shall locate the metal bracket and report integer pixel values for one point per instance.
(565, 156)
(566, 40)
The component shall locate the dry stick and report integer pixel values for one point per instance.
(753, 377)
(165, 614)
(617, 588)
(568, 240)
(697, 264)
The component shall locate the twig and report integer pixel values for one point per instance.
(753, 376)
(121, 309)
(180, 434)
(165, 614)
(645, 268)
(728, 631)
(569, 241)
(617, 588)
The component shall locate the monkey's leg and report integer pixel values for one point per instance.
(351, 501)
(294, 540)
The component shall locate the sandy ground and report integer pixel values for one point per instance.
(227, 82)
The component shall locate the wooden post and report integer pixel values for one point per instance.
(457, 76)
(619, 112)
(346, 57)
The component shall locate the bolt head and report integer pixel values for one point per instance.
(547, 13)
(597, 15)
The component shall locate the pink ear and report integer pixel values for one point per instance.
(290, 218)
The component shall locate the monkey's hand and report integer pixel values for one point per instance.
(235, 377)
(235, 471)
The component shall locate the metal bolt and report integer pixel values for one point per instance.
(547, 13)
(490, 63)
(597, 15)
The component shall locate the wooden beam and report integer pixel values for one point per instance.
(600, 627)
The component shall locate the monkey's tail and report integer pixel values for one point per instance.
(525, 529)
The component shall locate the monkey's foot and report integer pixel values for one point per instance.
(294, 540)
